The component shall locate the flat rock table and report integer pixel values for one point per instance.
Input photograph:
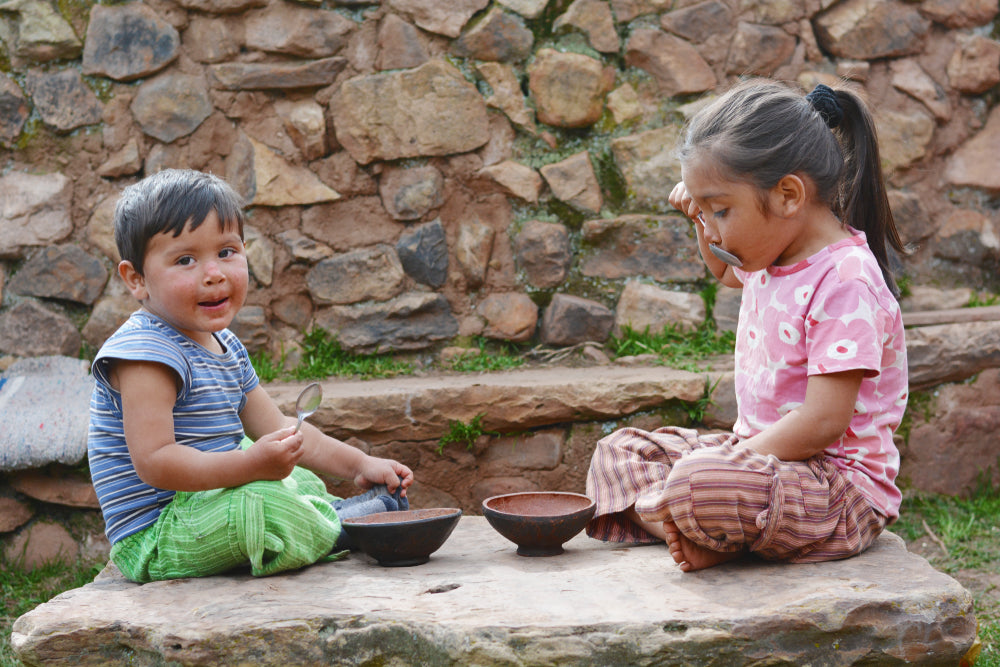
(476, 602)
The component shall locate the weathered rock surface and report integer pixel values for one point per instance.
(411, 408)
(477, 602)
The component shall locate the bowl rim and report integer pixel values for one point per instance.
(452, 512)
(585, 508)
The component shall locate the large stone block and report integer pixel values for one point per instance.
(477, 602)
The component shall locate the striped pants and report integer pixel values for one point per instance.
(272, 526)
(725, 498)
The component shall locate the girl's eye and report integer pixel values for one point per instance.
(721, 213)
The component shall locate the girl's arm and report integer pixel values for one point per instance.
(818, 422)
(320, 452)
(149, 391)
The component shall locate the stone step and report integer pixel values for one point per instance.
(477, 602)
(419, 408)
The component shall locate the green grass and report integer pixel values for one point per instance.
(967, 532)
(20, 592)
(323, 357)
(462, 433)
(675, 348)
(489, 356)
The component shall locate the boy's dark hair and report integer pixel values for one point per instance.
(168, 202)
(761, 131)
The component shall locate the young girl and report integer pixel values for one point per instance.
(791, 206)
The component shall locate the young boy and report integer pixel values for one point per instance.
(176, 394)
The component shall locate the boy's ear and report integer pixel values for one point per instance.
(134, 280)
(788, 196)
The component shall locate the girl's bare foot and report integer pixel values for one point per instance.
(690, 556)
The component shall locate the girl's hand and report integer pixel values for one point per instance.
(383, 471)
(274, 456)
(681, 199)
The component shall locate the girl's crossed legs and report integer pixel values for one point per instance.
(711, 501)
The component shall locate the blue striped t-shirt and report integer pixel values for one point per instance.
(212, 393)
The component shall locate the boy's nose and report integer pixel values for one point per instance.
(213, 273)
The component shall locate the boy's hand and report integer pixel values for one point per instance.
(383, 471)
(275, 455)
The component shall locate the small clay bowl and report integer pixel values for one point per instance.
(400, 539)
(539, 522)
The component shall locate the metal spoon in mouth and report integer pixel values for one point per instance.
(723, 255)
(308, 402)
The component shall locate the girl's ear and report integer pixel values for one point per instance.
(789, 195)
(134, 281)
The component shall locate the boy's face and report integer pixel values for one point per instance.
(197, 281)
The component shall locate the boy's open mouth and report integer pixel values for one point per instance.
(212, 304)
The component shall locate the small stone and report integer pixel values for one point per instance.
(974, 67)
(593, 18)
(63, 100)
(123, 162)
(516, 179)
(675, 64)
(56, 485)
(412, 321)
(290, 28)
(399, 45)
(14, 110)
(171, 106)
(34, 210)
(13, 514)
(61, 272)
(909, 77)
(128, 42)
(29, 329)
(278, 76)
(40, 544)
(574, 182)
(643, 307)
(361, 275)
(409, 193)
(423, 252)
(446, 19)
(871, 29)
(569, 88)
(570, 320)
(280, 183)
(498, 36)
(509, 316)
(303, 248)
(543, 252)
(473, 249)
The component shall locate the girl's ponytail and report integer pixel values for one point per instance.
(863, 202)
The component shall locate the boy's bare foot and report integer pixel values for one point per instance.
(690, 556)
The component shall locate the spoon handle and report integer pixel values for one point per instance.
(298, 424)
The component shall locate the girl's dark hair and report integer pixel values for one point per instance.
(168, 202)
(761, 131)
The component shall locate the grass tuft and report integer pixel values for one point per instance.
(677, 349)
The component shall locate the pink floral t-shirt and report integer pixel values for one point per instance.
(831, 312)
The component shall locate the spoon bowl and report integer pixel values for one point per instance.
(727, 257)
(308, 402)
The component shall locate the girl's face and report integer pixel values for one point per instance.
(197, 281)
(737, 218)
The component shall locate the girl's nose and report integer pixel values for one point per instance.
(711, 231)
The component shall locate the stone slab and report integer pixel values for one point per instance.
(477, 602)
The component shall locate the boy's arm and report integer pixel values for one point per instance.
(820, 420)
(149, 392)
(320, 452)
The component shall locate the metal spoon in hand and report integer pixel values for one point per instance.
(308, 402)
(725, 256)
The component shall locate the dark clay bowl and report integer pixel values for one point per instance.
(539, 522)
(398, 539)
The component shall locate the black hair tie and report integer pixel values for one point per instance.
(825, 102)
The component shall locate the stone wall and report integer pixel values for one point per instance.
(419, 170)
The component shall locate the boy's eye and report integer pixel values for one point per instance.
(187, 260)
(227, 252)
